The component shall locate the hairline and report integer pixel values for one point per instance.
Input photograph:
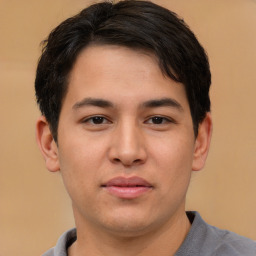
(101, 43)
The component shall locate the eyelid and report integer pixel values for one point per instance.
(165, 118)
(90, 118)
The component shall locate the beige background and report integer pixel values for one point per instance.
(34, 208)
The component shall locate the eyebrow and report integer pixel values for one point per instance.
(164, 102)
(93, 102)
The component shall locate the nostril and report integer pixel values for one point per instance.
(116, 160)
(127, 163)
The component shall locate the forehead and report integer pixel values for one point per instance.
(120, 74)
(108, 60)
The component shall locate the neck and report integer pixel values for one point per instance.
(164, 241)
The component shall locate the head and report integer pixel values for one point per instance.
(138, 25)
(123, 89)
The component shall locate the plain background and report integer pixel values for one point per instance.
(34, 207)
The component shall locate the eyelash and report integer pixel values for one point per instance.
(165, 119)
(102, 120)
(90, 120)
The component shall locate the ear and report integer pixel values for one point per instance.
(47, 145)
(202, 143)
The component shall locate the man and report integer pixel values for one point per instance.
(124, 94)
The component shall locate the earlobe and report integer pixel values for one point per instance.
(202, 143)
(47, 145)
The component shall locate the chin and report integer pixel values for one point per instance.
(126, 230)
(127, 224)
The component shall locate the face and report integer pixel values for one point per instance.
(126, 146)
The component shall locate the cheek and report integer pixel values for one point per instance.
(82, 152)
(175, 150)
(173, 157)
(80, 162)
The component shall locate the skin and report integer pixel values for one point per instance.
(109, 128)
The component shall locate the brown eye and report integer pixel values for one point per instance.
(97, 120)
(158, 120)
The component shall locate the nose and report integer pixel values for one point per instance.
(127, 145)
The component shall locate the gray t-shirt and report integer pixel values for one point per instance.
(202, 240)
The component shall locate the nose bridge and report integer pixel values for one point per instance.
(128, 143)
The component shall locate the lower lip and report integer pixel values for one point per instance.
(127, 192)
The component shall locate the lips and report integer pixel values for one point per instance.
(127, 188)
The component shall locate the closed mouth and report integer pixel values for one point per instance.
(127, 188)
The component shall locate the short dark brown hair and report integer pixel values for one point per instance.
(134, 24)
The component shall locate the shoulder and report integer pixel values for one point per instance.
(229, 243)
(49, 252)
(206, 240)
(63, 243)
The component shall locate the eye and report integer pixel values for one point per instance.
(96, 120)
(159, 120)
